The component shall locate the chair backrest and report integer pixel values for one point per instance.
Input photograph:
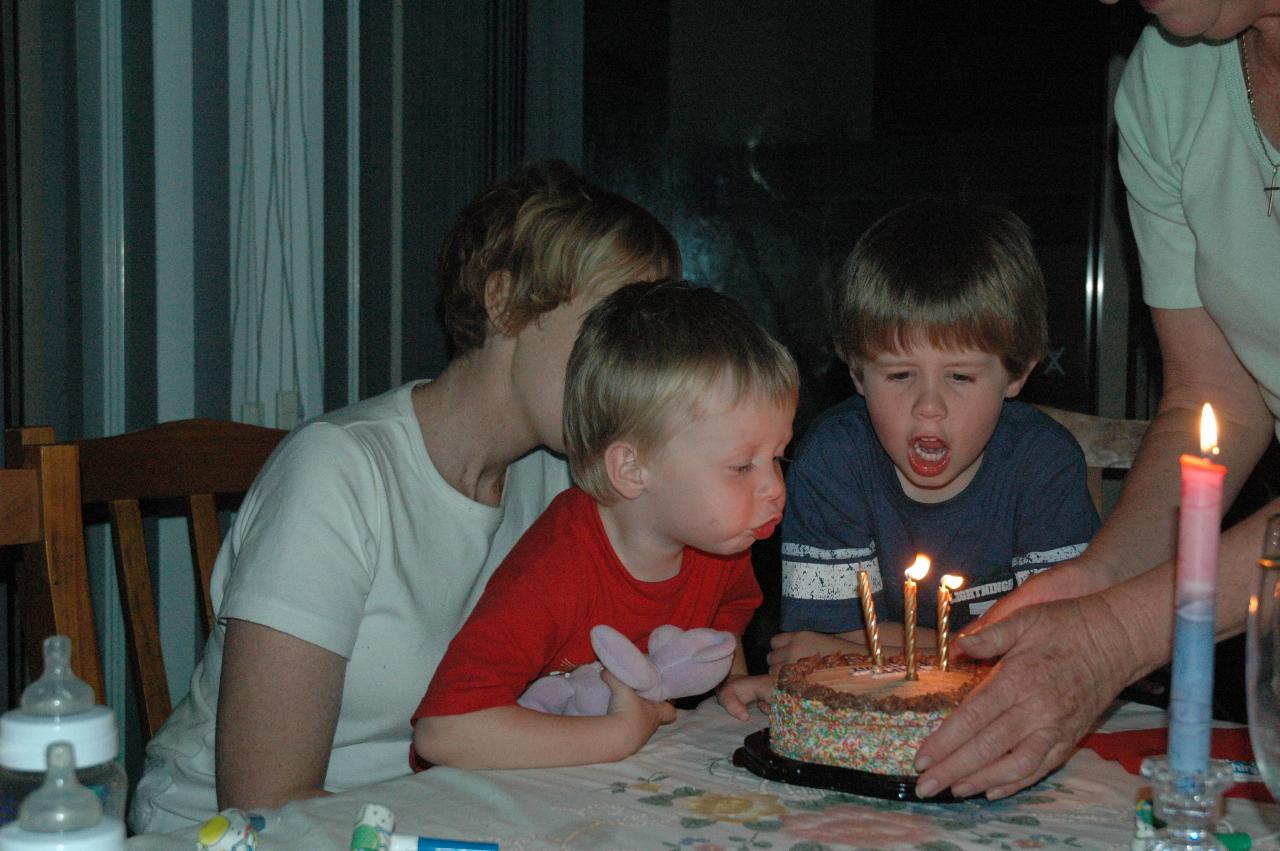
(1108, 443)
(172, 469)
(40, 509)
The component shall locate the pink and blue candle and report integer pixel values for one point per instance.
(1199, 527)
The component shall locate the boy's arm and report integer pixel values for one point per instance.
(1055, 518)
(792, 646)
(828, 530)
(788, 647)
(1055, 526)
(515, 737)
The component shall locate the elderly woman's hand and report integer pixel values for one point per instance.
(1073, 578)
(1063, 663)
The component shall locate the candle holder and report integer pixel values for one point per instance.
(1188, 804)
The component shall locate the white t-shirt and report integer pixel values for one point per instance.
(351, 540)
(1195, 171)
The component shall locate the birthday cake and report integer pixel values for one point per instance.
(838, 710)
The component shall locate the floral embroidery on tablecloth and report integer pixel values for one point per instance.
(808, 818)
(742, 808)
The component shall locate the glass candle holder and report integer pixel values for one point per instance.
(1188, 804)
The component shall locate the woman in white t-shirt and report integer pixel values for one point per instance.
(371, 531)
(1198, 112)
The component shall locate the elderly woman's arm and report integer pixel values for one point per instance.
(1064, 661)
(278, 708)
(1141, 532)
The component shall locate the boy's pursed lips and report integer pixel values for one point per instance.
(764, 530)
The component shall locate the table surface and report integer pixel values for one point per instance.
(682, 791)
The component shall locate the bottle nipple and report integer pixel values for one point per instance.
(61, 804)
(58, 691)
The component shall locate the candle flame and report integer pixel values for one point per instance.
(919, 569)
(1208, 431)
(951, 581)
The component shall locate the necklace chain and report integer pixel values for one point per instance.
(1273, 187)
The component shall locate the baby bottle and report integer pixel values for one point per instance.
(62, 815)
(59, 707)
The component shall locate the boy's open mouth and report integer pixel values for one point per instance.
(929, 456)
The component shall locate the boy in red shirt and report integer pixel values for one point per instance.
(677, 410)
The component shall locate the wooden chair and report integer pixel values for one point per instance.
(172, 469)
(40, 510)
(1108, 444)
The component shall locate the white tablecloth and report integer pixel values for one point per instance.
(681, 791)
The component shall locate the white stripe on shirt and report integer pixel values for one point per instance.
(806, 580)
(1049, 556)
(1022, 576)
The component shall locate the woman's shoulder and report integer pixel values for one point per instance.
(380, 424)
(1183, 71)
(1171, 53)
(351, 450)
(390, 409)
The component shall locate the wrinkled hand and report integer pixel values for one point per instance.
(642, 717)
(737, 693)
(1070, 579)
(792, 646)
(1063, 663)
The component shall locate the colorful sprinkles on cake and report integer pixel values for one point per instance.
(814, 720)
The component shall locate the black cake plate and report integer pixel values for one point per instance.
(756, 756)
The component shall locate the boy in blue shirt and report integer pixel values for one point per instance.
(940, 313)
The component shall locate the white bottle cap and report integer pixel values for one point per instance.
(106, 835)
(24, 738)
(62, 815)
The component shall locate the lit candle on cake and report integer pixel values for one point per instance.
(1199, 526)
(869, 618)
(915, 573)
(949, 582)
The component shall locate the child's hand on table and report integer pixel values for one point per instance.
(642, 717)
(738, 692)
(793, 646)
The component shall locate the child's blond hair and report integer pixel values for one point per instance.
(945, 271)
(556, 235)
(645, 358)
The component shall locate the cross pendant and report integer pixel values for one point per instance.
(1271, 191)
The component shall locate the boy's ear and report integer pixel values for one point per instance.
(626, 473)
(1015, 384)
(855, 372)
(497, 298)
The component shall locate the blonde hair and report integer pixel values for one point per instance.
(556, 235)
(644, 358)
(956, 274)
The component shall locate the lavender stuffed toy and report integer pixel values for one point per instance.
(680, 663)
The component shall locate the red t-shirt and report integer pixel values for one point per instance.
(561, 579)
